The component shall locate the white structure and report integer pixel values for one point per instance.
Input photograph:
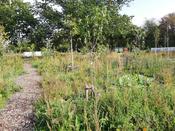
(32, 54)
(165, 49)
(38, 53)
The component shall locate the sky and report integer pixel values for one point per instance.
(146, 9)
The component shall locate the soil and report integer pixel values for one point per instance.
(18, 114)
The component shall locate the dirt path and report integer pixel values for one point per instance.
(18, 115)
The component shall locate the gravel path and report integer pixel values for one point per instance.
(18, 115)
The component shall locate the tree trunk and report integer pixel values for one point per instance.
(72, 52)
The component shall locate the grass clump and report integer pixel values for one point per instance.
(10, 67)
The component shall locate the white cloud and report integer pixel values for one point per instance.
(148, 9)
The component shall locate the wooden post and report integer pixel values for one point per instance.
(120, 62)
(87, 92)
(91, 88)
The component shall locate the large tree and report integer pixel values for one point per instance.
(84, 23)
(17, 19)
(152, 36)
(160, 34)
(167, 29)
(87, 23)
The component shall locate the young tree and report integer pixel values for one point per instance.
(167, 30)
(152, 34)
(74, 30)
(98, 22)
(3, 37)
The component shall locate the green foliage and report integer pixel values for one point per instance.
(10, 67)
(152, 34)
(148, 65)
(25, 47)
(3, 37)
(88, 23)
(127, 99)
(167, 32)
(17, 20)
(160, 34)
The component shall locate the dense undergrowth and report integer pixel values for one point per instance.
(132, 92)
(10, 67)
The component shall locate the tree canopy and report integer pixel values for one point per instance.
(18, 20)
(160, 34)
(88, 24)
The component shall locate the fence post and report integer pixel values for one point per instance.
(87, 92)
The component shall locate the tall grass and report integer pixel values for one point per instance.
(132, 92)
(10, 67)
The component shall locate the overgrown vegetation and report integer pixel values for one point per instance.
(90, 88)
(10, 67)
(132, 92)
